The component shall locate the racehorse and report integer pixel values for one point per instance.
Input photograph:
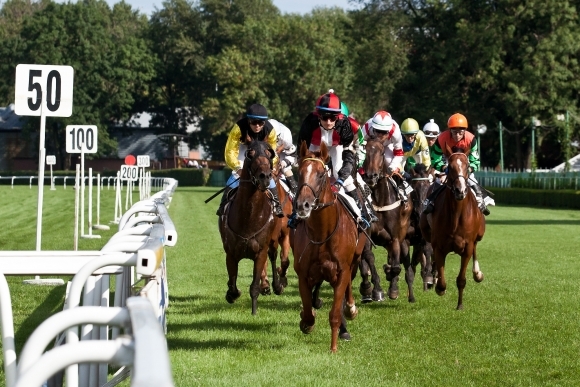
(247, 225)
(394, 217)
(280, 239)
(422, 250)
(327, 244)
(456, 224)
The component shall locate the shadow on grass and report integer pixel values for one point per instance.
(193, 345)
(220, 325)
(530, 222)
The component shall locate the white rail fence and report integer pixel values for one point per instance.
(136, 256)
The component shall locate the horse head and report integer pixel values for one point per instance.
(313, 178)
(374, 164)
(420, 181)
(458, 173)
(258, 164)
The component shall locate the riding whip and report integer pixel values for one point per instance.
(220, 191)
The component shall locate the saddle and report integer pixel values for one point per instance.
(287, 189)
(349, 204)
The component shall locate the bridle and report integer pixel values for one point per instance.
(253, 179)
(449, 182)
(381, 168)
(321, 182)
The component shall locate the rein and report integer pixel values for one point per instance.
(316, 205)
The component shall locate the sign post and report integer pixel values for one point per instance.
(82, 139)
(51, 160)
(45, 91)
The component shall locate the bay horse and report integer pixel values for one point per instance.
(456, 224)
(327, 244)
(394, 217)
(422, 251)
(247, 225)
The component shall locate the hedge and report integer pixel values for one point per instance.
(537, 197)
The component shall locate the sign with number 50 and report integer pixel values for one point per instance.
(44, 90)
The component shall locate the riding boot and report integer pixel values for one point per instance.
(220, 210)
(277, 207)
(430, 201)
(292, 184)
(371, 211)
(403, 191)
(479, 197)
(364, 215)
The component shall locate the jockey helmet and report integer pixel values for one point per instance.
(431, 129)
(257, 112)
(344, 109)
(382, 121)
(457, 120)
(410, 126)
(328, 103)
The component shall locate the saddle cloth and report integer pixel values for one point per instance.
(286, 188)
(350, 204)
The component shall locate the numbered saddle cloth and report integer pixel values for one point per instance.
(350, 204)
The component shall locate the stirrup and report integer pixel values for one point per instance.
(363, 223)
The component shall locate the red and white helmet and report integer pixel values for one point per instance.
(382, 121)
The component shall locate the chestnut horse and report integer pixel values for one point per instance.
(394, 218)
(280, 239)
(456, 225)
(247, 225)
(422, 251)
(327, 243)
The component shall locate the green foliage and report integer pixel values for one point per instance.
(564, 198)
(186, 177)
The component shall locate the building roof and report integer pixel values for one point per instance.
(9, 120)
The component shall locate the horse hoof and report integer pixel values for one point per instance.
(345, 336)
(265, 292)
(412, 300)
(306, 329)
(378, 296)
(394, 294)
(440, 292)
(284, 282)
(279, 291)
(366, 299)
(460, 307)
(350, 312)
(478, 277)
(231, 298)
(318, 304)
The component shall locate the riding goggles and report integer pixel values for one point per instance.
(329, 117)
(257, 122)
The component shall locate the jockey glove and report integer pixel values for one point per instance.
(348, 161)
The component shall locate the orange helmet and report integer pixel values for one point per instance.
(457, 120)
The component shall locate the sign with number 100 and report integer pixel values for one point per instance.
(81, 139)
(43, 90)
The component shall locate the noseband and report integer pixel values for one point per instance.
(321, 182)
(253, 179)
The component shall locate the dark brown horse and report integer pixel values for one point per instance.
(327, 244)
(422, 251)
(248, 223)
(456, 225)
(394, 217)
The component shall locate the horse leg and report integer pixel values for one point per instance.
(315, 299)
(259, 264)
(233, 292)
(477, 274)
(461, 281)
(427, 271)
(409, 272)
(369, 257)
(272, 255)
(365, 288)
(284, 262)
(393, 270)
(441, 283)
(307, 315)
(335, 314)
(264, 282)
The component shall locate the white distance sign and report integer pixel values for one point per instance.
(143, 161)
(129, 172)
(43, 90)
(81, 138)
(50, 160)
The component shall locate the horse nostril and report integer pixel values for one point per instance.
(306, 205)
(375, 175)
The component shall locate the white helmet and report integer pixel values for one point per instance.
(382, 121)
(431, 129)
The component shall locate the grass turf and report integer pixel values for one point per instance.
(519, 326)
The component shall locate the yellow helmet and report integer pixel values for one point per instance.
(410, 126)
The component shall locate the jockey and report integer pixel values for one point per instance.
(329, 125)
(457, 137)
(415, 147)
(384, 127)
(431, 131)
(253, 126)
(286, 152)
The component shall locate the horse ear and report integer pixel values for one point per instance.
(323, 152)
(270, 153)
(413, 172)
(303, 149)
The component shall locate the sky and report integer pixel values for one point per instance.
(285, 6)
